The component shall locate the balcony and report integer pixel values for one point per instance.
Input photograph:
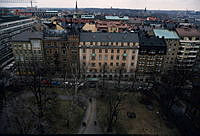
(193, 51)
(192, 56)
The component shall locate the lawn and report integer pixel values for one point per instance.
(146, 122)
(61, 117)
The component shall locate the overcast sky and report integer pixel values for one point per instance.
(130, 4)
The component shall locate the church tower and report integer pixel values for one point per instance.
(76, 9)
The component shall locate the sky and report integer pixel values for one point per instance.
(128, 4)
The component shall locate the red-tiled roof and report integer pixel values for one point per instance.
(189, 32)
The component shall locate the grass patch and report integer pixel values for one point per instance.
(146, 122)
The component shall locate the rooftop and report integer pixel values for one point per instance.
(26, 36)
(117, 18)
(108, 37)
(5, 19)
(188, 32)
(166, 34)
(151, 41)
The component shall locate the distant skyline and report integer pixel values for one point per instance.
(127, 4)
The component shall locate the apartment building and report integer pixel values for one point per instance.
(61, 52)
(112, 26)
(27, 48)
(151, 57)
(189, 47)
(9, 27)
(55, 51)
(172, 41)
(105, 54)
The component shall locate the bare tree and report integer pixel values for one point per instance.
(42, 98)
(4, 77)
(114, 107)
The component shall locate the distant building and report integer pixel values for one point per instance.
(87, 17)
(112, 26)
(172, 41)
(151, 57)
(188, 53)
(108, 55)
(89, 27)
(117, 18)
(9, 27)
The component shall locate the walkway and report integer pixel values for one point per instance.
(90, 118)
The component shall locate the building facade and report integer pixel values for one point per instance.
(105, 54)
(189, 47)
(8, 30)
(151, 57)
(27, 48)
(172, 42)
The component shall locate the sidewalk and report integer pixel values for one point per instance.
(89, 119)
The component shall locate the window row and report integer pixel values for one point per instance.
(107, 50)
(106, 64)
(105, 57)
(109, 43)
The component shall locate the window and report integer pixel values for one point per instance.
(133, 52)
(112, 51)
(105, 64)
(35, 43)
(124, 57)
(111, 57)
(118, 51)
(64, 59)
(100, 57)
(111, 64)
(93, 50)
(99, 64)
(123, 64)
(100, 50)
(132, 64)
(93, 57)
(117, 57)
(84, 64)
(124, 51)
(117, 64)
(93, 64)
(84, 50)
(133, 57)
(84, 57)
(64, 51)
(106, 57)
(106, 50)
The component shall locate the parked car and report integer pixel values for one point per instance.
(56, 83)
(92, 85)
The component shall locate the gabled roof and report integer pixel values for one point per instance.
(108, 37)
(166, 34)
